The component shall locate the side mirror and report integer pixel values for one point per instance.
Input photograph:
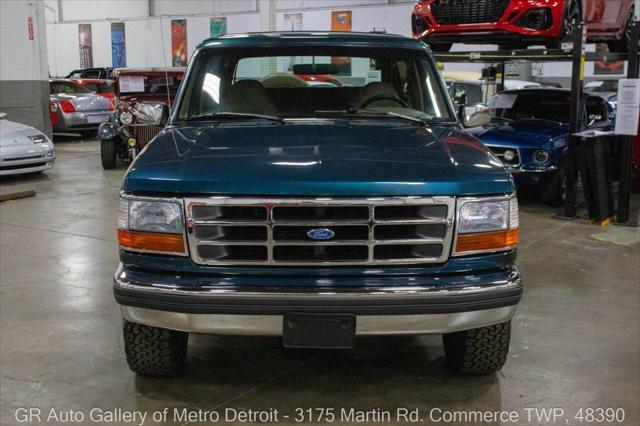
(476, 116)
(152, 113)
(3, 115)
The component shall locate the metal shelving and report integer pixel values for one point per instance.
(575, 53)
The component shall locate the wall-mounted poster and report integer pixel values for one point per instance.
(179, 42)
(118, 47)
(293, 21)
(86, 45)
(217, 26)
(607, 67)
(341, 21)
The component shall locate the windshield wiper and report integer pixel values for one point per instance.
(546, 120)
(220, 116)
(373, 113)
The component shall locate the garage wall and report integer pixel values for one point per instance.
(147, 24)
(145, 35)
(24, 88)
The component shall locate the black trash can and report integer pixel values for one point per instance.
(595, 154)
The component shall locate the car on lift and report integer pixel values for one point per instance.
(515, 24)
(316, 214)
(23, 149)
(75, 109)
(98, 86)
(530, 134)
(124, 135)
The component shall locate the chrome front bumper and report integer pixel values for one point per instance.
(271, 325)
(241, 310)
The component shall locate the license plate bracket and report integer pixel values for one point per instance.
(319, 331)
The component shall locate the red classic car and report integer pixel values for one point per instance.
(515, 24)
(123, 137)
(97, 85)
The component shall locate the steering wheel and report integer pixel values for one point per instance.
(392, 98)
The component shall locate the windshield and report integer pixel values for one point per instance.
(532, 106)
(314, 82)
(99, 87)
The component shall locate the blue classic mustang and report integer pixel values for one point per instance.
(530, 134)
(269, 206)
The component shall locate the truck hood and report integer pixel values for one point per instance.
(521, 134)
(317, 158)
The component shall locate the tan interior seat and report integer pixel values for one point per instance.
(377, 88)
(283, 80)
(249, 97)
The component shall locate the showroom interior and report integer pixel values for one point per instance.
(319, 211)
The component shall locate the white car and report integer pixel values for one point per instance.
(23, 149)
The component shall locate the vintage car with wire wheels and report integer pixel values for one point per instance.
(75, 109)
(530, 134)
(271, 207)
(125, 135)
(23, 149)
(515, 24)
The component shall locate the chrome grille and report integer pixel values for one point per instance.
(368, 231)
(144, 134)
(451, 12)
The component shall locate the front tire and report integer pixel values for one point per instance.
(478, 351)
(154, 351)
(622, 46)
(572, 17)
(108, 153)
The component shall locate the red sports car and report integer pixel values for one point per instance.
(514, 24)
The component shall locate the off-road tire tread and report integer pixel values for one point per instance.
(478, 351)
(154, 351)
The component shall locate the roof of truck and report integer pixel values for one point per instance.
(312, 38)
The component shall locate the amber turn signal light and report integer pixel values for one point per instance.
(487, 241)
(151, 241)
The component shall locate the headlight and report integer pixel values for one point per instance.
(126, 117)
(509, 155)
(541, 156)
(487, 225)
(154, 226)
(38, 138)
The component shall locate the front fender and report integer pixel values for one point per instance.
(108, 131)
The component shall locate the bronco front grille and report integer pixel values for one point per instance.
(451, 12)
(373, 231)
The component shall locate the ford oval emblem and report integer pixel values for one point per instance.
(321, 234)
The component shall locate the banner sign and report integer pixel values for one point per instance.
(341, 21)
(86, 45)
(179, 42)
(118, 45)
(217, 26)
